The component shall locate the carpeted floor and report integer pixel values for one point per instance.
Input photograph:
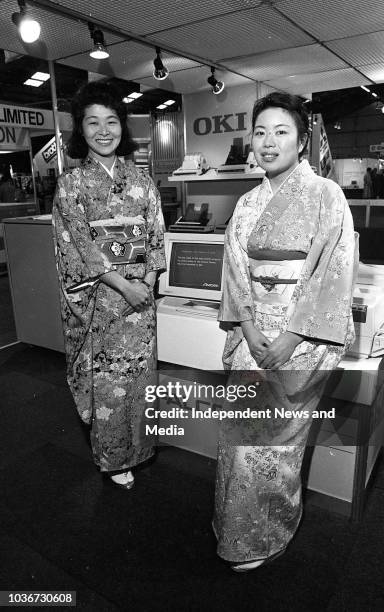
(150, 549)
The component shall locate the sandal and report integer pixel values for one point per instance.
(247, 566)
(126, 480)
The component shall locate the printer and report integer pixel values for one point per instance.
(368, 312)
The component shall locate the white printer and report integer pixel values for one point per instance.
(368, 312)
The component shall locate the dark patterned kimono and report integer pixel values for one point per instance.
(111, 357)
(290, 262)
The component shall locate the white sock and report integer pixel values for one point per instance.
(123, 478)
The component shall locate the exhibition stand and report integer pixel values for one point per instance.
(190, 340)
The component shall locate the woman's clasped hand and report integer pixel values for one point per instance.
(279, 351)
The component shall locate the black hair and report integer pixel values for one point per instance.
(106, 94)
(295, 107)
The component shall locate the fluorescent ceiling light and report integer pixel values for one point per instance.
(374, 94)
(365, 88)
(41, 76)
(128, 100)
(161, 106)
(169, 102)
(33, 83)
(135, 95)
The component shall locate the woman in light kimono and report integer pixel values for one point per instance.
(108, 234)
(289, 268)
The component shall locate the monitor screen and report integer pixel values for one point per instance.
(194, 266)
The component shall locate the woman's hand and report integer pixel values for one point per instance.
(279, 351)
(137, 295)
(257, 342)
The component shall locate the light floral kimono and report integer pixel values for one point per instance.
(290, 263)
(111, 355)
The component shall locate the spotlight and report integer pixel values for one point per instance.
(99, 51)
(217, 86)
(29, 28)
(160, 72)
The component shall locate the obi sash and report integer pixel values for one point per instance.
(123, 242)
(273, 281)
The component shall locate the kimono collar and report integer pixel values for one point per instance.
(90, 162)
(293, 181)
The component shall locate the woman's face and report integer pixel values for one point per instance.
(102, 131)
(276, 142)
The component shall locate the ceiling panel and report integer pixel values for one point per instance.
(375, 72)
(195, 79)
(360, 50)
(156, 15)
(129, 60)
(59, 35)
(266, 66)
(324, 81)
(249, 32)
(330, 19)
(248, 37)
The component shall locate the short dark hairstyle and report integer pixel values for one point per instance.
(295, 107)
(106, 94)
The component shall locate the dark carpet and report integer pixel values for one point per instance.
(63, 527)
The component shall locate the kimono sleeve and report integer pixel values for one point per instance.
(77, 256)
(155, 229)
(236, 303)
(322, 301)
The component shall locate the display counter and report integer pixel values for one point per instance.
(367, 207)
(14, 209)
(33, 281)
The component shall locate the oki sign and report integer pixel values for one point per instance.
(212, 122)
(218, 124)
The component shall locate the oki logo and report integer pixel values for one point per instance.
(218, 124)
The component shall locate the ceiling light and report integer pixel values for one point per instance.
(33, 82)
(160, 72)
(41, 76)
(217, 86)
(162, 106)
(99, 50)
(135, 94)
(169, 102)
(29, 28)
(374, 94)
(365, 88)
(337, 125)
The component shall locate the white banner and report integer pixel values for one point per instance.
(13, 139)
(34, 118)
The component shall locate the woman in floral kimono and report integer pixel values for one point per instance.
(108, 233)
(289, 268)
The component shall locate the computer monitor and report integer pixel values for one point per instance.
(194, 266)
